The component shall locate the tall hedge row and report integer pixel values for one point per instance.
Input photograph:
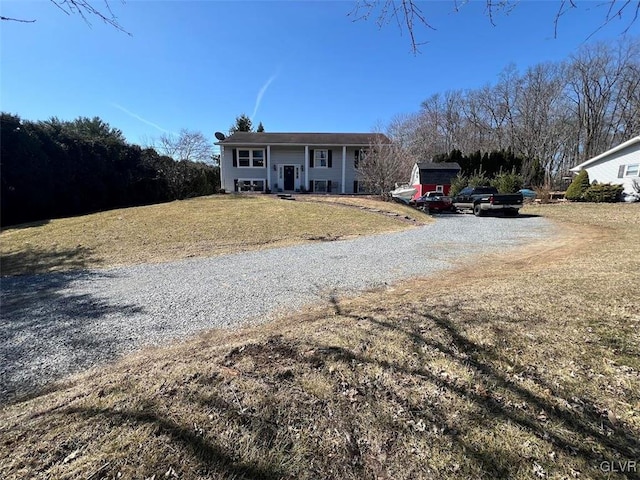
(54, 169)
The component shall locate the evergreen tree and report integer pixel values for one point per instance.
(260, 128)
(242, 124)
(507, 182)
(578, 186)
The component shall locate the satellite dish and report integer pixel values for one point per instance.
(220, 136)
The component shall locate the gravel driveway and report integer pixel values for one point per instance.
(52, 325)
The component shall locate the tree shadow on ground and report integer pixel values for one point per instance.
(34, 260)
(587, 432)
(573, 425)
(50, 327)
(20, 226)
(489, 215)
(519, 216)
(257, 398)
(214, 460)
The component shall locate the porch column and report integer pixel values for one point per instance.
(344, 167)
(221, 163)
(268, 163)
(306, 167)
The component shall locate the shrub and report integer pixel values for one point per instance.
(604, 192)
(578, 186)
(507, 182)
(461, 181)
(543, 194)
(478, 180)
(458, 184)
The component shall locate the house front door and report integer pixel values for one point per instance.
(289, 177)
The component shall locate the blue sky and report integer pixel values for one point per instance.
(295, 65)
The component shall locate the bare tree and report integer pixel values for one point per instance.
(553, 115)
(85, 10)
(538, 114)
(187, 145)
(630, 99)
(625, 110)
(431, 136)
(603, 90)
(409, 16)
(383, 164)
(478, 130)
(417, 133)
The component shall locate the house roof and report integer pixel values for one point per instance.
(438, 177)
(593, 160)
(438, 166)
(307, 139)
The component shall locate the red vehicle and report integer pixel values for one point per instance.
(433, 202)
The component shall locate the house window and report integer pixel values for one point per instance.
(360, 187)
(360, 155)
(632, 170)
(439, 188)
(258, 158)
(251, 158)
(325, 186)
(251, 185)
(321, 158)
(244, 158)
(320, 186)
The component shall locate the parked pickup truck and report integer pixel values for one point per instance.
(482, 200)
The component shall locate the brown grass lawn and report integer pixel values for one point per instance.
(364, 202)
(198, 227)
(525, 365)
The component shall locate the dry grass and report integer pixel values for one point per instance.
(368, 203)
(191, 228)
(521, 366)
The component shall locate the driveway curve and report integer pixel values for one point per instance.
(56, 324)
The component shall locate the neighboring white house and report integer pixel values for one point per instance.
(618, 166)
(291, 162)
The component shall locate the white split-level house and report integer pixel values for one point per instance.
(618, 166)
(291, 162)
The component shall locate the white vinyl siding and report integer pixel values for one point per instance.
(351, 174)
(415, 175)
(609, 168)
(291, 155)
